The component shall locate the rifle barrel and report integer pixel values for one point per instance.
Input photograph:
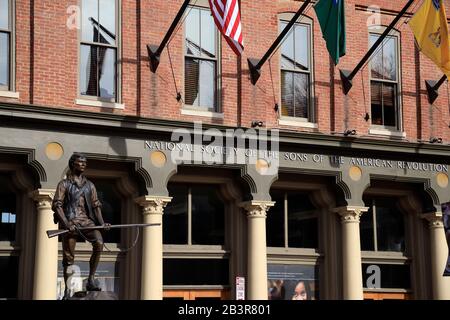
(54, 233)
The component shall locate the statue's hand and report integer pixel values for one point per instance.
(107, 226)
(71, 227)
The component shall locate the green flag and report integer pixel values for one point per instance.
(331, 15)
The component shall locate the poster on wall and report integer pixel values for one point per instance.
(292, 282)
(106, 275)
(446, 219)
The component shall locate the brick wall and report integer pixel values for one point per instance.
(47, 67)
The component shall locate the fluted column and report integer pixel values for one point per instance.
(152, 247)
(46, 253)
(257, 252)
(351, 252)
(438, 254)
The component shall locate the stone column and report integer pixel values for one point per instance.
(46, 252)
(438, 254)
(152, 247)
(351, 252)
(257, 249)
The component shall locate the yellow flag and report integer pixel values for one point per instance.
(429, 25)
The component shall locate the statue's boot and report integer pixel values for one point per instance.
(92, 285)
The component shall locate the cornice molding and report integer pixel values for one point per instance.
(19, 114)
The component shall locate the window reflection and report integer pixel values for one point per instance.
(384, 82)
(295, 212)
(201, 59)
(295, 72)
(111, 207)
(4, 14)
(98, 62)
(200, 205)
(8, 213)
(208, 216)
(4, 59)
(175, 218)
(383, 215)
(5, 45)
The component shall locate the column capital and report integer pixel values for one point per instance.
(43, 198)
(153, 204)
(434, 219)
(257, 209)
(350, 213)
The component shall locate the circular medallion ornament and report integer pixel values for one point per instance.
(54, 151)
(158, 159)
(442, 180)
(261, 166)
(355, 173)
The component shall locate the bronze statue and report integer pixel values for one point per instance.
(76, 205)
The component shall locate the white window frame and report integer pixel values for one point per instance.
(97, 101)
(382, 130)
(203, 111)
(309, 122)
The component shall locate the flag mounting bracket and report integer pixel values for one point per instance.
(347, 76)
(154, 51)
(255, 65)
(347, 82)
(255, 72)
(433, 87)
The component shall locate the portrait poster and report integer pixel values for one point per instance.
(446, 220)
(292, 282)
(107, 276)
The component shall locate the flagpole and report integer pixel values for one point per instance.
(433, 87)
(255, 65)
(154, 51)
(347, 76)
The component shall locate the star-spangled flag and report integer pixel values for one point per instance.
(227, 17)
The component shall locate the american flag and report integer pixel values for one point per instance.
(228, 20)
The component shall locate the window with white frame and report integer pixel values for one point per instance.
(384, 83)
(99, 49)
(296, 71)
(6, 44)
(201, 63)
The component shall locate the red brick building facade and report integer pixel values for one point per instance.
(331, 191)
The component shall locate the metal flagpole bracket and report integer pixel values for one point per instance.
(255, 72)
(255, 65)
(346, 76)
(347, 83)
(154, 57)
(154, 51)
(433, 87)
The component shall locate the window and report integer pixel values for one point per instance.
(111, 207)
(9, 253)
(296, 72)
(384, 83)
(6, 47)
(196, 216)
(292, 222)
(382, 227)
(7, 212)
(201, 60)
(99, 49)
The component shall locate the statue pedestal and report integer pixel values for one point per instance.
(94, 295)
